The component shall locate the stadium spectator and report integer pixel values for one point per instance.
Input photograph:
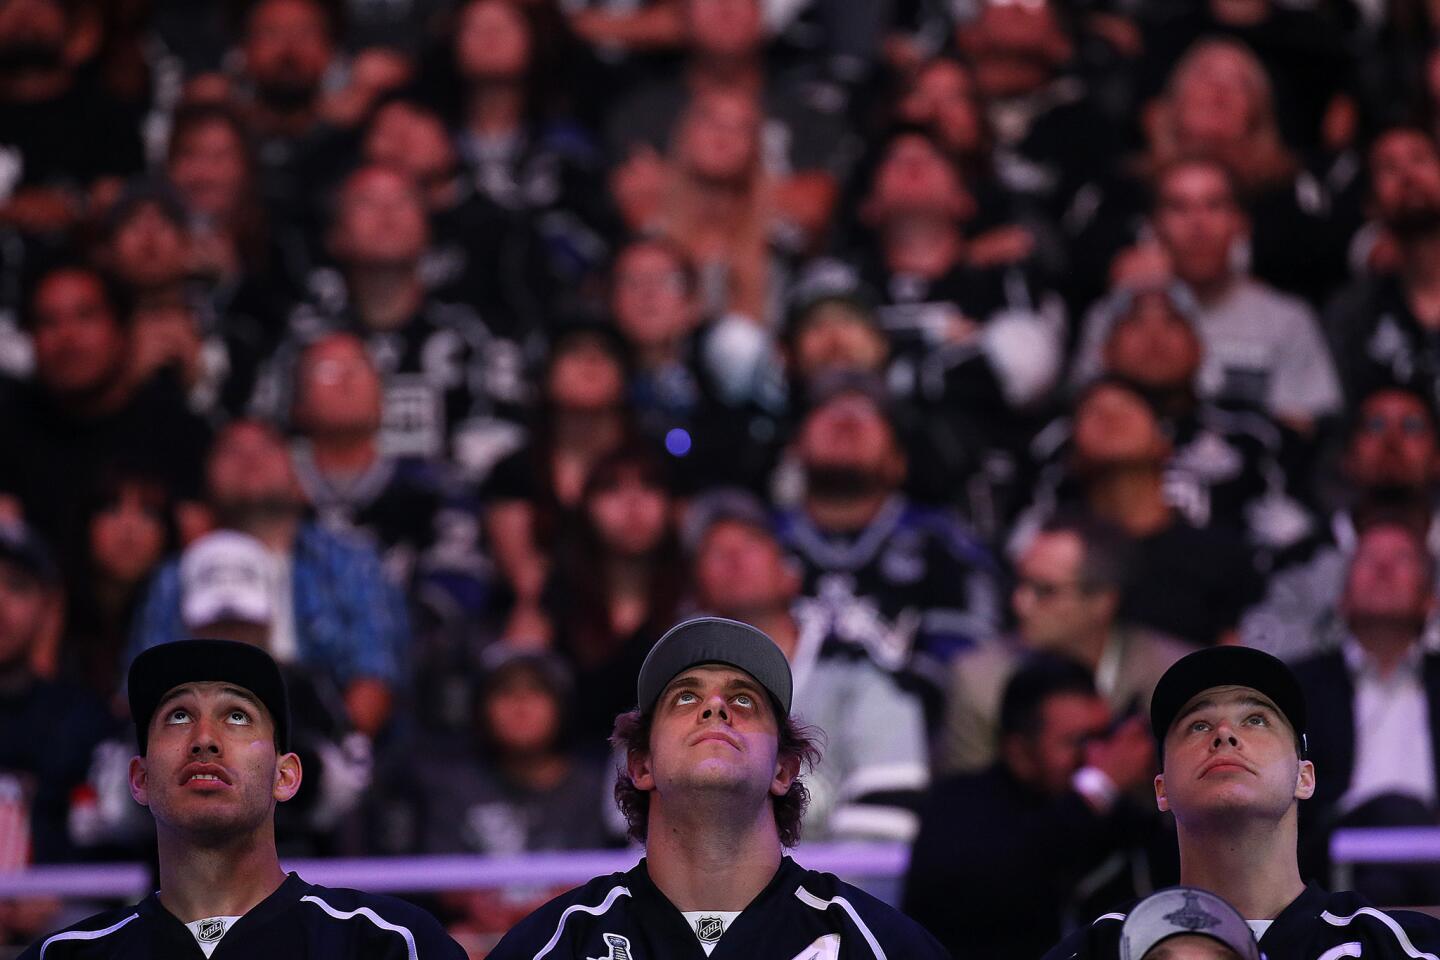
(86, 409)
(533, 495)
(453, 386)
(1388, 470)
(617, 584)
(1228, 468)
(336, 613)
(1055, 817)
(875, 768)
(905, 585)
(1191, 583)
(1071, 582)
(1378, 741)
(1380, 326)
(1262, 348)
(48, 728)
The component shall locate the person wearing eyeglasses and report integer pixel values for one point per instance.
(1388, 471)
(1067, 601)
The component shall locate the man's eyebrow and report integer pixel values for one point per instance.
(1195, 708)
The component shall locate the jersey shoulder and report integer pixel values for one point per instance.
(1398, 933)
(878, 923)
(390, 917)
(1100, 940)
(94, 936)
(549, 927)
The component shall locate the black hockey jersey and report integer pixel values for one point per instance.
(800, 915)
(1318, 925)
(298, 920)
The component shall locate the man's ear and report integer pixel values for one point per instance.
(1305, 781)
(787, 771)
(139, 786)
(637, 764)
(1162, 802)
(288, 775)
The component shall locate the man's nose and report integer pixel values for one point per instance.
(715, 706)
(1224, 733)
(204, 740)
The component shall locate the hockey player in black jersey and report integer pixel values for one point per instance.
(712, 786)
(1231, 726)
(212, 719)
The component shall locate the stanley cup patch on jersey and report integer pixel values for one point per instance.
(619, 948)
(709, 929)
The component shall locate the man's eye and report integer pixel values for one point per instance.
(178, 716)
(1257, 719)
(745, 700)
(1199, 726)
(685, 696)
(238, 716)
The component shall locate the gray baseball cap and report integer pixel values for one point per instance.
(1185, 911)
(714, 640)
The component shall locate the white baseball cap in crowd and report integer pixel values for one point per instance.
(226, 576)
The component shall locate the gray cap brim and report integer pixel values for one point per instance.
(714, 640)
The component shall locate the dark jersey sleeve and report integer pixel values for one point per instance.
(1099, 941)
(388, 928)
(561, 924)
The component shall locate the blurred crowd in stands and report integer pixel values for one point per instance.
(987, 354)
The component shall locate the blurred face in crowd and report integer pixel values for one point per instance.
(287, 51)
(250, 475)
(521, 713)
(848, 447)
(1114, 427)
(1016, 45)
(719, 137)
(1191, 947)
(1198, 221)
(149, 249)
(410, 138)
(651, 300)
(211, 770)
(1392, 450)
(33, 34)
(724, 28)
(943, 100)
(1054, 608)
(492, 41)
(740, 571)
(381, 220)
(1389, 582)
(127, 535)
(585, 377)
(1230, 753)
(838, 336)
(1048, 758)
(1153, 344)
(338, 392)
(915, 178)
(631, 515)
(1405, 182)
(208, 167)
(81, 346)
(1216, 98)
(25, 606)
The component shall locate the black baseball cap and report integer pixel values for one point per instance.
(714, 640)
(160, 669)
(1222, 667)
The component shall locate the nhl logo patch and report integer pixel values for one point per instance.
(709, 929)
(211, 930)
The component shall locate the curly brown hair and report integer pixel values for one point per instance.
(797, 741)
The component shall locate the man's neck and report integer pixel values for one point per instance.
(344, 454)
(845, 514)
(1214, 289)
(702, 857)
(1254, 868)
(1132, 498)
(386, 298)
(1386, 642)
(224, 880)
(708, 73)
(495, 109)
(278, 535)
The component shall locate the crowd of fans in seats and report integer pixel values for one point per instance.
(987, 354)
